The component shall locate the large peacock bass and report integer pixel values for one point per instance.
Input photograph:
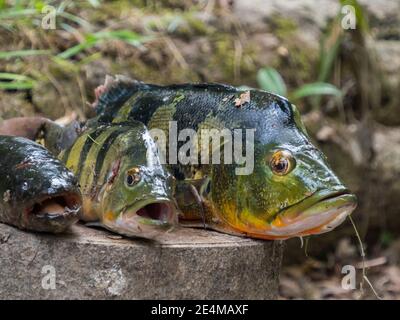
(282, 187)
(124, 186)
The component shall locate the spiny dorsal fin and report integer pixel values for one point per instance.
(115, 90)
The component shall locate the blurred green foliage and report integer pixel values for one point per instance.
(270, 80)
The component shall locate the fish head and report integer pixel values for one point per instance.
(44, 195)
(137, 198)
(291, 192)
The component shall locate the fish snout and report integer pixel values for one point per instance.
(317, 214)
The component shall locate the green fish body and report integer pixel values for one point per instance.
(37, 192)
(124, 187)
(290, 190)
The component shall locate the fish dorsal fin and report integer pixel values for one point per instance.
(115, 91)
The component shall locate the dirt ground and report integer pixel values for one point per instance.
(322, 278)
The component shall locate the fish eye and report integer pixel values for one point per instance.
(133, 177)
(282, 162)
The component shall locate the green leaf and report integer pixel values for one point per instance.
(89, 43)
(74, 18)
(16, 13)
(17, 81)
(328, 56)
(270, 80)
(22, 53)
(13, 76)
(361, 18)
(316, 89)
(91, 39)
(20, 85)
(125, 35)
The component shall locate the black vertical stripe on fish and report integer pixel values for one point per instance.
(90, 140)
(102, 154)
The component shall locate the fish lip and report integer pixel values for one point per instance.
(129, 224)
(313, 198)
(338, 205)
(47, 222)
(170, 218)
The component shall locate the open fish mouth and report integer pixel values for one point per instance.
(157, 213)
(146, 219)
(54, 212)
(319, 213)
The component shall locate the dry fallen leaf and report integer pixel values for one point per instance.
(244, 97)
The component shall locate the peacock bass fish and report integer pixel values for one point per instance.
(37, 192)
(284, 189)
(124, 187)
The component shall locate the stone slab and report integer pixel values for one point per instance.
(90, 263)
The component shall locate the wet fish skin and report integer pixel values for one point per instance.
(291, 192)
(37, 192)
(125, 188)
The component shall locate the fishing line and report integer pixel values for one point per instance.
(306, 246)
(301, 242)
(364, 269)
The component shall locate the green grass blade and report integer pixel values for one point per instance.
(270, 80)
(13, 76)
(16, 13)
(316, 89)
(327, 59)
(124, 35)
(76, 19)
(78, 48)
(19, 85)
(361, 17)
(17, 81)
(22, 53)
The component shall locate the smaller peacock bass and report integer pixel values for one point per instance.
(124, 187)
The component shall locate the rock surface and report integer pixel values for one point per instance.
(89, 263)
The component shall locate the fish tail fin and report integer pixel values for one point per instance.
(115, 91)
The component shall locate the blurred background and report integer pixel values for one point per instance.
(340, 65)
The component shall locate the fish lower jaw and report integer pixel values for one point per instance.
(318, 218)
(159, 212)
(305, 228)
(54, 213)
(148, 219)
(310, 225)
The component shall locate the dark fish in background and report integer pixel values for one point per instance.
(52, 135)
(26, 127)
(37, 192)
